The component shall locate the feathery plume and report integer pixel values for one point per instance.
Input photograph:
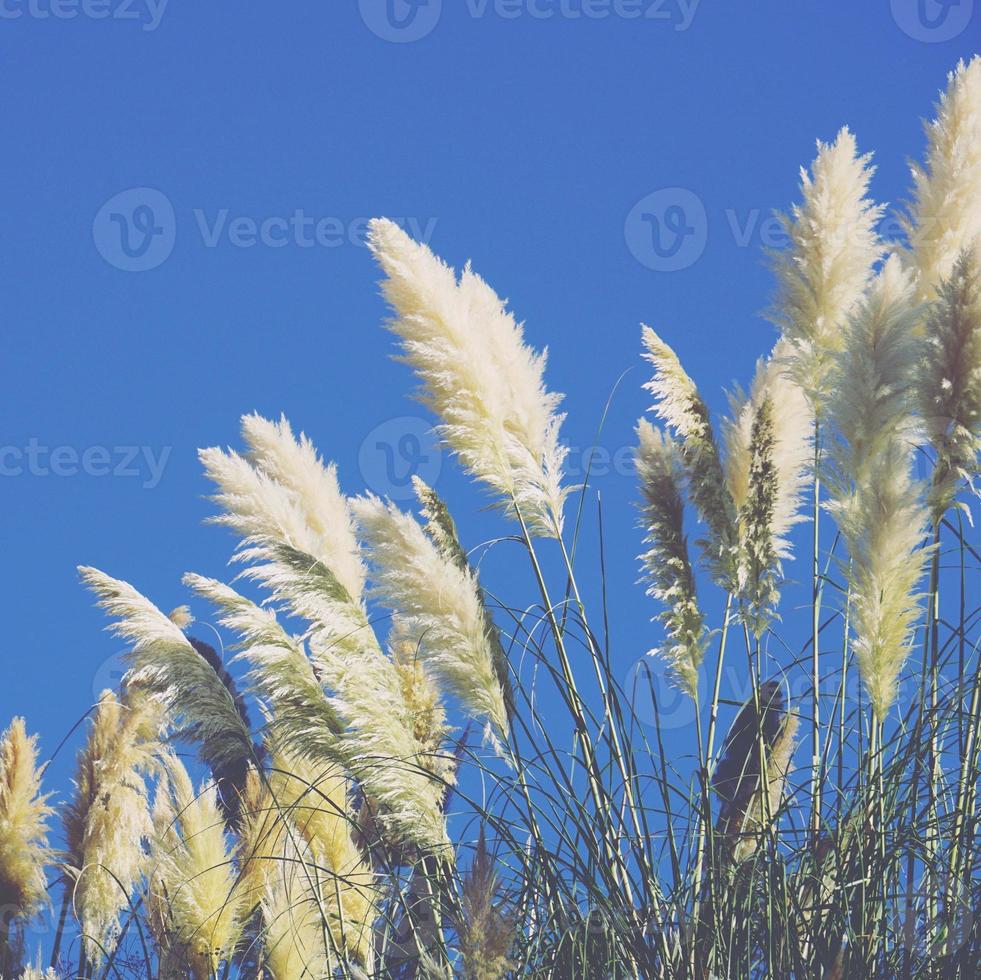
(109, 818)
(872, 380)
(884, 525)
(438, 607)
(949, 381)
(824, 272)
(876, 502)
(196, 911)
(364, 724)
(478, 375)
(945, 215)
(758, 563)
(163, 661)
(747, 806)
(24, 811)
(441, 530)
(668, 567)
(792, 424)
(485, 927)
(294, 941)
(678, 404)
(766, 477)
(293, 463)
(281, 677)
(315, 800)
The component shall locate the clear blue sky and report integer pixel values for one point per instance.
(523, 142)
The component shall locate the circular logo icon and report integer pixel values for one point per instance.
(654, 697)
(135, 230)
(395, 452)
(667, 231)
(109, 675)
(932, 21)
(401, 21)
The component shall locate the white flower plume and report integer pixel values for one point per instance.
(666, 562)
(437, 604)
(678, 404)
(878, 505)
(945, 215)
(478, 375)
(824, 272)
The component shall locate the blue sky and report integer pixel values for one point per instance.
(184, 188)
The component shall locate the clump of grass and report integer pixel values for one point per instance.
(360, 829)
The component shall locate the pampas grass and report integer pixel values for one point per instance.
(478, 375)
(945, 214)
(24, 813)
(823, 274)
(108, 819)
(667, 562)
(365, 832)
(196, 911)
(438, 608)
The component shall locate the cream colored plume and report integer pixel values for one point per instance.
(197, 909)
(364, 723)
(678, 404)
(945, 215)
(282, 494)
(666, 562)
(878, 505)
(478, 375)
(314, 798)
(766, 477)
(265, 501)
(24, 812)
(823, 273)
(793, 447)
(438, 607)
(109, 818)
(163, 662)
(872, 403)
(949, 383)
(884, 525)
